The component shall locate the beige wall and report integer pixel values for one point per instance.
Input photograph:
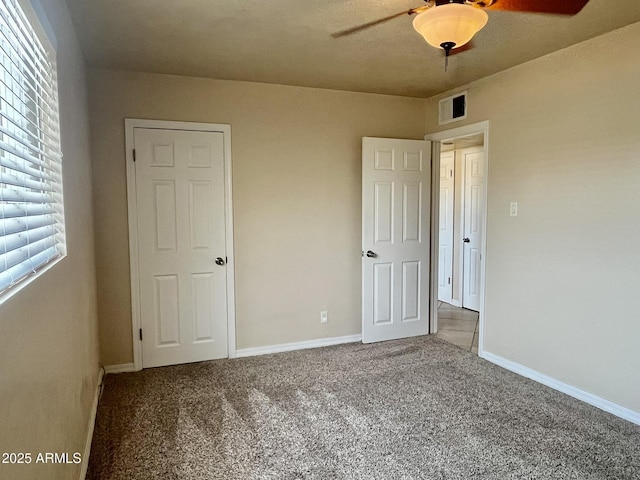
(563, 277)
(563, 143)
(296, 191)
(48, 330)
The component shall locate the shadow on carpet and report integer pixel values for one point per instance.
(417, 408)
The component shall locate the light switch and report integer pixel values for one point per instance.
(513, 209)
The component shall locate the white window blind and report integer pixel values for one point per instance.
(31, 207)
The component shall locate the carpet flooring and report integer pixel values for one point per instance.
(417, 408)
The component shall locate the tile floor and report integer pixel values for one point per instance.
(458, 326)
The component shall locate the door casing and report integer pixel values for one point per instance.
(436, 138)
(130, 125)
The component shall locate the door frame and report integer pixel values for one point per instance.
(134, 267)
(437, 138)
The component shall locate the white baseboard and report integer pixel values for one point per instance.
(590, 398)
(92, 422)
(252, 352)
(124, 367)
(288, 347)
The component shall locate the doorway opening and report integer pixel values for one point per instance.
(459, 225)
(459, 326)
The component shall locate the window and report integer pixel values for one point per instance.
(31, 207)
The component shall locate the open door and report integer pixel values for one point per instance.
(445, 227)
(396, 195)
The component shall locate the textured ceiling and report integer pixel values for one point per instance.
(474, 140)
(289, 41)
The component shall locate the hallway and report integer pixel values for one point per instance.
(458, 326)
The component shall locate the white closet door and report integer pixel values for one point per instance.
(180, 200)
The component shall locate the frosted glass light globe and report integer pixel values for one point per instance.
(452, 22)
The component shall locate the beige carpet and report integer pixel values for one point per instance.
(408, 409)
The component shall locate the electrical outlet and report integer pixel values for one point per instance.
(324, 316)
(513, 209)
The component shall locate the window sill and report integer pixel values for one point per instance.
(18, 287)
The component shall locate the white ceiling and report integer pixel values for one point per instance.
(289, 41)
(466, 141)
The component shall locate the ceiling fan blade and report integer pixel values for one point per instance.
(560, 7)
(364, 26)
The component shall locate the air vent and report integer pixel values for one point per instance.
(453, 108)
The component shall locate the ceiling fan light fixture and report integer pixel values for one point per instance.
(452, 23)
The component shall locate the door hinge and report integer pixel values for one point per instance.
(451, 174)
(140, 334)
(134, 154)
(449, 281)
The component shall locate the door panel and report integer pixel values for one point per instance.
(202, 288)
(383, 213)
(411, 212)
(383, 293)
(201, 203)
(167, 315)
(410, 291)
(396, 195)
(180, 202)
(474, 208)
(164, 211)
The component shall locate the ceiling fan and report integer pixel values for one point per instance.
(450, 24)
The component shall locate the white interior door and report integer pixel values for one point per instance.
(396, 197)
(180, 203)
(445, 245)
(474, 211)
